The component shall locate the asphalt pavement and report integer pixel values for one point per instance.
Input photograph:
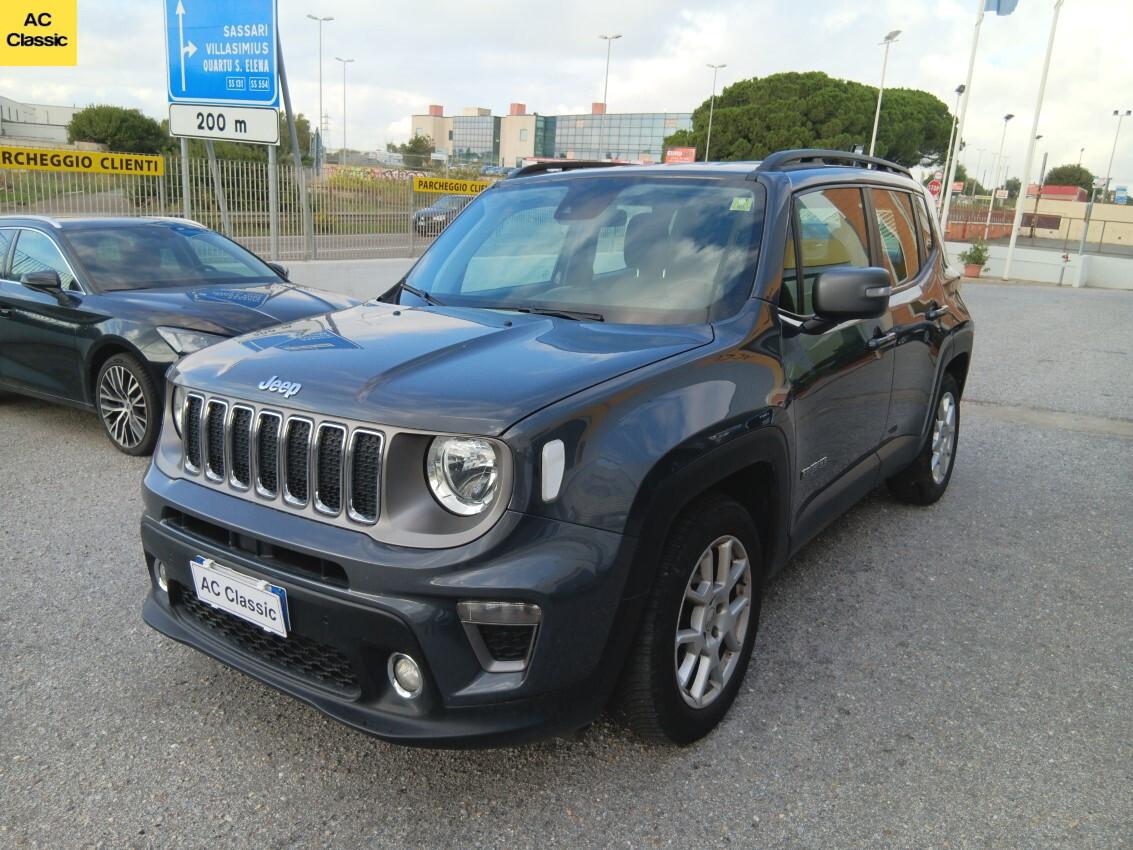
(959, 676)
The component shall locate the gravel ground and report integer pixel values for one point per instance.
(957, 676)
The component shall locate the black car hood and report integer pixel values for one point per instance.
(228, 310)
(442, 368)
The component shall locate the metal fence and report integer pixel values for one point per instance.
(1104, 231)
(354, 212)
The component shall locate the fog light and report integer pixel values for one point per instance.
(405, 675)
(162, 578)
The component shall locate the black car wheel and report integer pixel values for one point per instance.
(128, 405)
(698, 628)
(924, 480)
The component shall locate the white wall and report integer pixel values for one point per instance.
(1046, 266)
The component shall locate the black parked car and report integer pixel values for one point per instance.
(558, 462)
(437, 216)
(93, 311)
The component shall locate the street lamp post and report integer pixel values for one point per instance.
(609, 39)
(889, 39)
(711, 108)
(1119, 115)
(948, 156)
(319, 128)
(998, 159)
(976, 172)
(344, 62)
(1081, 151)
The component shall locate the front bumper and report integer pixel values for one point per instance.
(353, 602)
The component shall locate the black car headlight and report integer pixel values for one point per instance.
(185, 341)
(463, 473)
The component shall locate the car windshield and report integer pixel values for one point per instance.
(450, 202)
(664, 249)
(156, 255)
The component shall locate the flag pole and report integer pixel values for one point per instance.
(951, 175)
(1015, 226)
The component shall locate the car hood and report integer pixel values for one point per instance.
(228, 310)
(438, 368)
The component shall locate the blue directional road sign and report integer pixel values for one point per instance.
(222, 52)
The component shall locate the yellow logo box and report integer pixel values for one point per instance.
(90, 162)
(39, 32)
(451, 187)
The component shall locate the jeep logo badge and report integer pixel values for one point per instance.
(284, 388)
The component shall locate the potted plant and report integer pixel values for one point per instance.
(975, 258)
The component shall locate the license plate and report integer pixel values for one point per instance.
(251, 599)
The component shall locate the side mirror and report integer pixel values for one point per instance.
(850, 293)
(282, 271)
(45, 281)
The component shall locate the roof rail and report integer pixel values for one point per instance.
(559, 165)
(809, 157)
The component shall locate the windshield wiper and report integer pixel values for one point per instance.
(574, 315)
(402, 286)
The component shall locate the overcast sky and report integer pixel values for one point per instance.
(549, 56)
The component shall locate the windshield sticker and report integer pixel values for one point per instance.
(742, 204)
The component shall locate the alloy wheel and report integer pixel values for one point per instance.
(943, 438)
(713, 621)
(122, 405)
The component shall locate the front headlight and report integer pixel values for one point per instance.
(185, 341)
(463, 473)
(179, 393)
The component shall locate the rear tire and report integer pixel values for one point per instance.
(698, 628)
(924, 480)
(128, 404)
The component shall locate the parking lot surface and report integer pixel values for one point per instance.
(954, 677)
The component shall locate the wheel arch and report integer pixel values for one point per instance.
(752, 469)
(102, 351)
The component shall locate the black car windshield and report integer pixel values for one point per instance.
(664, 249)
(451, 202)
(157, 255)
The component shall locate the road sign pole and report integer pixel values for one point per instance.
(273, 203)
(218, 189)
(308, 230)
(185, 179)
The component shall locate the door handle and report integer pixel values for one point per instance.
(936, 312)
(881, 341)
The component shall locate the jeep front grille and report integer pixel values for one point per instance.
(304, 463)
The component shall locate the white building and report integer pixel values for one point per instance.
(34, 123)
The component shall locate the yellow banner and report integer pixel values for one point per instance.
(91, 162)
(443, 185)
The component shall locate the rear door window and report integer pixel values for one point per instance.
(898, 231)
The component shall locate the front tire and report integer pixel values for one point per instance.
(129, 406)
(698, 628)
(924, 480)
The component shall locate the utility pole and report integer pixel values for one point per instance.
(711, 109)
(319, 130)
(948, 154)
(1109, 168)
(609, 39)
(998, 159)
(889, 39)
(344, 62)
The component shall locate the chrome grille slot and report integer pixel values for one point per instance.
(297, 461)
(191, 422)
(364, 468)
(267, 454)
(240, 441)
(216, 412)
(328, 468)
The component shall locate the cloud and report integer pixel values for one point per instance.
(460, 54)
